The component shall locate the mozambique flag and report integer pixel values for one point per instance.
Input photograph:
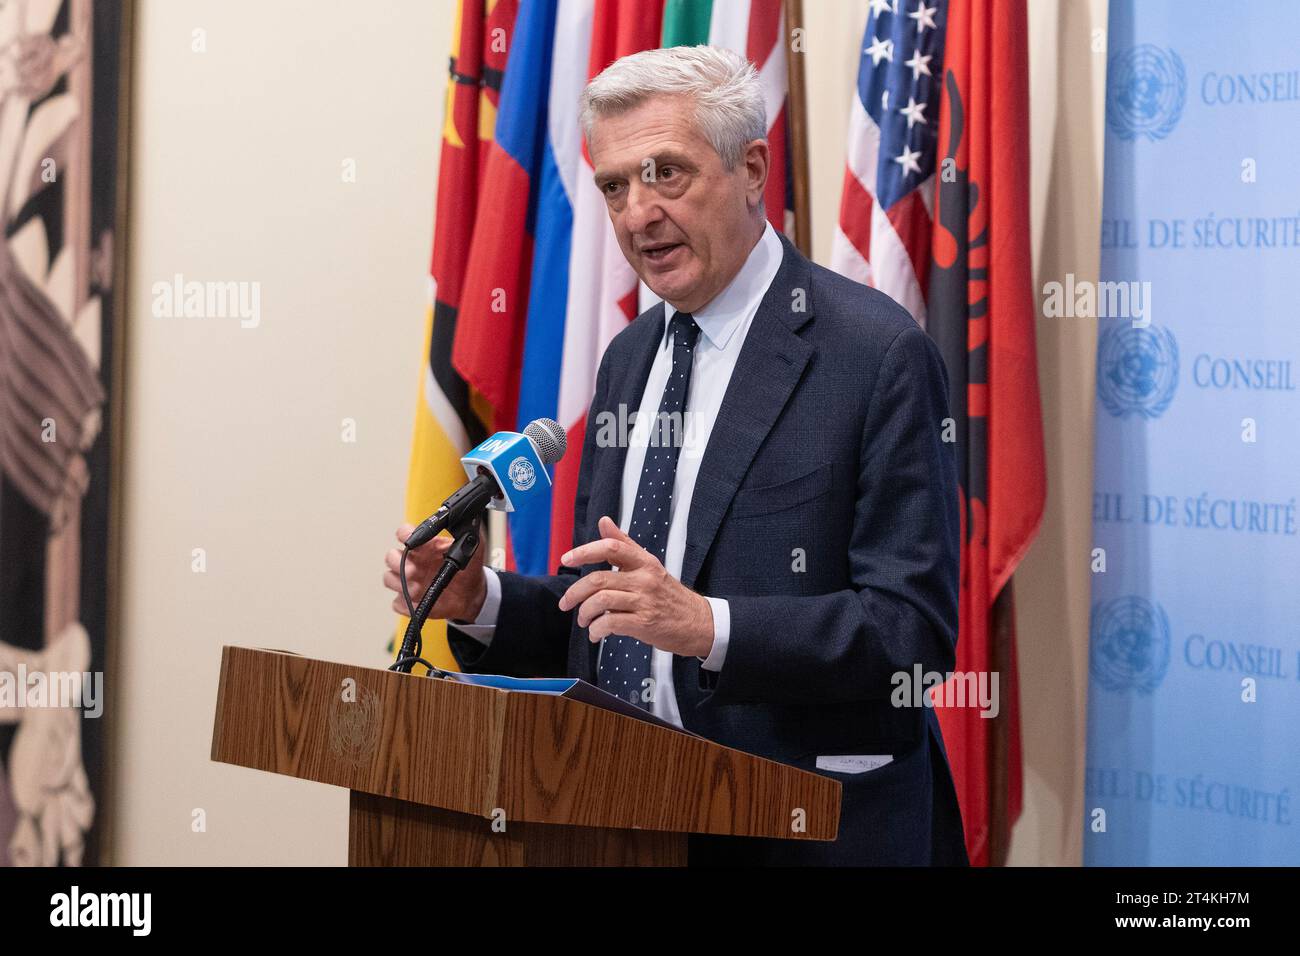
(449, 416)
(489, 344)
(981, 314)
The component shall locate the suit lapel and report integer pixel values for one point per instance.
(770, 364)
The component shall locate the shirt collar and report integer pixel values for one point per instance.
(723, 314)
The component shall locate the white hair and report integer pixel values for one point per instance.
(729, 108)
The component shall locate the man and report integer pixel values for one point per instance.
(760, 577)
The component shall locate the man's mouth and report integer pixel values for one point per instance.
(659, 252)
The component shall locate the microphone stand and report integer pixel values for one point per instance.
(465, 532)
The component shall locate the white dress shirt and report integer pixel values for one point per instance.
(724, 323)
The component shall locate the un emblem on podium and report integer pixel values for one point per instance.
(354, 727)
(1129, 644)
(1137, 370)
(1146, 88)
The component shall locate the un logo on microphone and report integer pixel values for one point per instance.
(522, 474)
(1146, 88)
(1137, 370)
(1129, 644)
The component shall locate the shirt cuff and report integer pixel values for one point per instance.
(484, 626)
(721, 634)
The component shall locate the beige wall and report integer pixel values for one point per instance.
(834, 45)
(1067, 102)
(233, 436)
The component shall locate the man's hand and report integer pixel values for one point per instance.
(464, 596)
(640, 599)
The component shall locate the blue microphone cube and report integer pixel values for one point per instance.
(512, 459)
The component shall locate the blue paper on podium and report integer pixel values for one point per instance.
(571, 687)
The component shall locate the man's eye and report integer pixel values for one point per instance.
(666, 172)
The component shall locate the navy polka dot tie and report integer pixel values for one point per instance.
(625, 661)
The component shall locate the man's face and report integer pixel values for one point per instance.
(685, 224)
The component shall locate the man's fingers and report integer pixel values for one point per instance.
(612, 622)
(605, 601)
(586, 586)
(622, 554)
(434, 549)
(404, 532)
(417, 562)
(609, 528)
(614, 547)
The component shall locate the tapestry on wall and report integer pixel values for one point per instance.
(62, 100)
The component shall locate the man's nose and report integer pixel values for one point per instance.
(642, 209)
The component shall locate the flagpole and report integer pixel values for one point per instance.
(798, 128)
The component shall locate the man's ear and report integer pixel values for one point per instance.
(757, 159)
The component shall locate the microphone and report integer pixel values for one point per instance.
(506, 472)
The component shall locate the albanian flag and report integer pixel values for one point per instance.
(981, 314)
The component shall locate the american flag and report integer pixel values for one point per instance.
(887, 205)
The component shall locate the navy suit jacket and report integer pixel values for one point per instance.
(827, 445)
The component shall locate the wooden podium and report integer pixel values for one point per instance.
(450, 774)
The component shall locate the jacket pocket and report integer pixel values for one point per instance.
(751, 502)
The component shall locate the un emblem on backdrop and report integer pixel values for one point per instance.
(1146, 88)
(1137, 370)
(1129, 644)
